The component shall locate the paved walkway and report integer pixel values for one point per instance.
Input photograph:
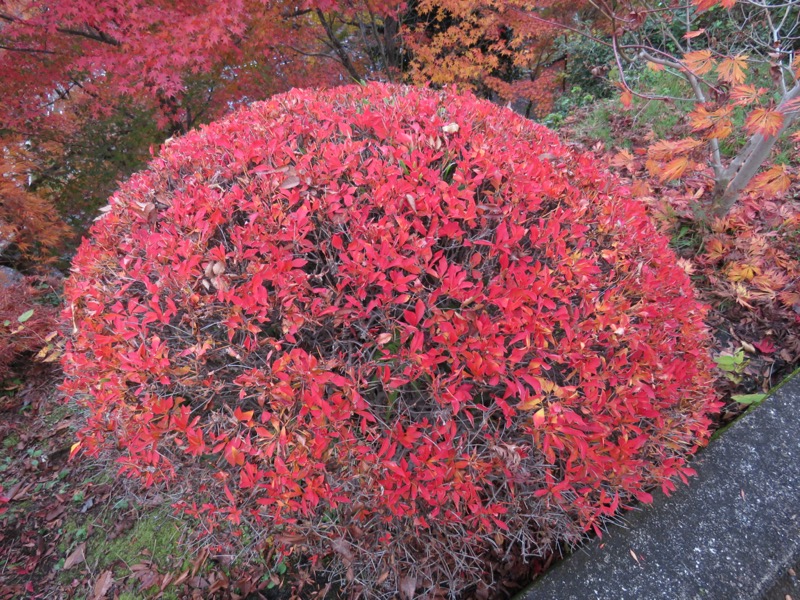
(732, 534)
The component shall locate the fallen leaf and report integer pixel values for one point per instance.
(290, 182)
(77, 557)
(342, 547)
(102, 585)
(407, 586)
(55, 513)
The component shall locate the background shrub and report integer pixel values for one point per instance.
(394, 329)
(26, 320)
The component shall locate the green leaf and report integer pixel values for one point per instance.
(725, 361)
(749, 398)
(25, 316)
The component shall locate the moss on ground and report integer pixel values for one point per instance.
(154, 538)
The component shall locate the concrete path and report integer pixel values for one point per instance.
(732, 534)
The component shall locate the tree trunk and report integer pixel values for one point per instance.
(337, 46)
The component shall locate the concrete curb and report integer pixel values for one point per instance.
(732, 534)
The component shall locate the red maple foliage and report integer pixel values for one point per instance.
(400, 327)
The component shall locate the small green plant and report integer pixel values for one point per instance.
(733, 365)
(749, 399)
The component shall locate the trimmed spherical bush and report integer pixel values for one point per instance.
(399, 330)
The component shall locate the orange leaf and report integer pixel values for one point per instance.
(693, 34)
(703, 5)
(699, 62)
(674, 168)
(668, 149)
(626, 98)
(242, 415)
(233, 455)
(764, 121)
(732, 69)
(773, 181)
(714, 124)
(742, 95)
(790, 106)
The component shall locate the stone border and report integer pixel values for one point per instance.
(732, 534)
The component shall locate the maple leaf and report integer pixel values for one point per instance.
(703, 5)
(732, 69)
(624, 159)
(742, 271)
(715, 124)
(772, 182)
(766, 346)
(764, 121)
(687, 266)
(744, 95)
(699, 62)
(668, 149)
(674, 168)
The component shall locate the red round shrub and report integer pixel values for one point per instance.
(401, 328)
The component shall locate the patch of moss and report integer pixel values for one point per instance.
(154, 537)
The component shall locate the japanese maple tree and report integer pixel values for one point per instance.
(395, 328)
(744, 83)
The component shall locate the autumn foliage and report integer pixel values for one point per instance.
(392, 327)
(26, 324)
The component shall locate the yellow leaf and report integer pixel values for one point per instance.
(73, 450)
(699, 62)
(530, 403)
(764, 121)
(732, 69)
(742, 272)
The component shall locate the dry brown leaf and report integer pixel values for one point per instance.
(77, 557)
(407, 586)
(342, 547)
(102, 585)
(290, 182)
